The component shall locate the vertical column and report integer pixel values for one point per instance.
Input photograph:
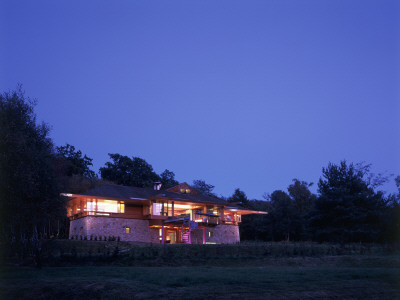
(162, 235)
(82, 206)
(204, 235)
(172, 214)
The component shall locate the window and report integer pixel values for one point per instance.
(210, 234)
(157, 207)
(107, 206)
(91, 205)
(127, 230)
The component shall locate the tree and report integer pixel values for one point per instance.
(203, 188)
(73, 170)
(302, 196)
(285, 218)
(29, 202)
(239, 197)
(133, 171)
(348, 209)
(303, 201)
(254, 226)
(167, 178)
(75, 164)
(391, 217)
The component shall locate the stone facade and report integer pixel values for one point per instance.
(114, 227)
(220, 234)
(91, 226)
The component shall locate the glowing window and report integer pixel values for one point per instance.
(157, 207)
(107, 206)
(90, 206)
(210, 234)
(127, 230)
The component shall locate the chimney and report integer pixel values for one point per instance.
(157, 186)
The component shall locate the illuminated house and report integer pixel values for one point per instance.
(175, 215)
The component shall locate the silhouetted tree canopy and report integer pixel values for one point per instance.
(128, 171)
(285, 218)
(28, 187)
(348, 209)
(301, 195)
(167, 178)
(203, 188)
(74, 162)
(239, 197)
(73, 171)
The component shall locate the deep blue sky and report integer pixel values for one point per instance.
(247, 94)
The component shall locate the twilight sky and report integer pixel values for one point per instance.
(247, 94)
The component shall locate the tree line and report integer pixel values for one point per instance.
(34, 171)
(348, 208)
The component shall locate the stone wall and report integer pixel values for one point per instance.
(141, 232)
(106, 227)
(220, 234)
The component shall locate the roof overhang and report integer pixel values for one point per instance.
(131, 200)
(245, 211)
(186, 201)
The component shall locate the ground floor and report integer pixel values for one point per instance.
(124, 229)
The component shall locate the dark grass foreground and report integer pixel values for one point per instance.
(209, 273)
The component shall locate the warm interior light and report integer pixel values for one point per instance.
(182, 206)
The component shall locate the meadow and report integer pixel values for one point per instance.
(104, 270)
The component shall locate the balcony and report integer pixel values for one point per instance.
(207, 219)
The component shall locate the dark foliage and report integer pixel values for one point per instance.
(73, 171)
(257, 227)
(30, 202)
(128, 171)
(74, 162)
(285, 217)
(167, 178)
(348, 209)
(203, 188)
(239, 197)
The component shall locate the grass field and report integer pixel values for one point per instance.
(230, 276)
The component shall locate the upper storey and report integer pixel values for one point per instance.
(142, 203)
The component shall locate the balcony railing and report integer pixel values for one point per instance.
(207, 218)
